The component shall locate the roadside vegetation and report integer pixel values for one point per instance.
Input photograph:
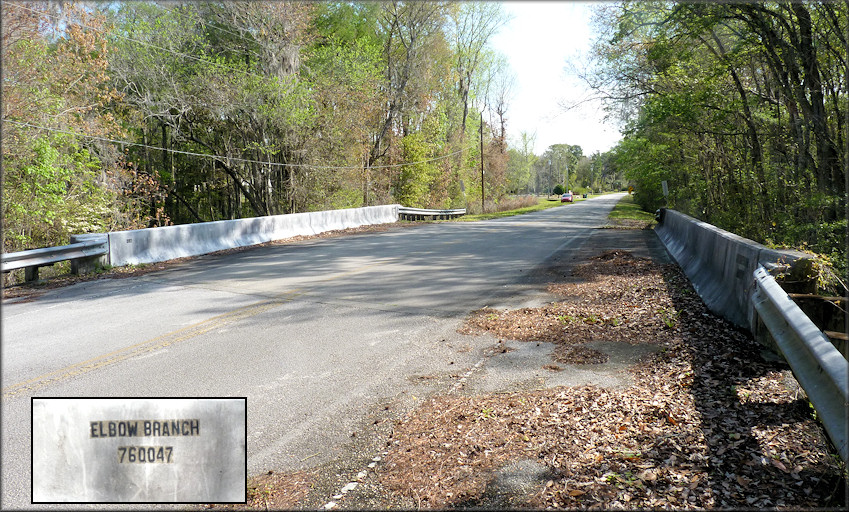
(517, 206)
(130, 115)
(628, 214)
(139, 114)
(142, 114)
(739, 108)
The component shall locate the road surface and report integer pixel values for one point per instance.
(321, 336)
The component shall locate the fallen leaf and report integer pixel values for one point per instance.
(780, 465)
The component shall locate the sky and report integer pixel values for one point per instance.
(538, 42)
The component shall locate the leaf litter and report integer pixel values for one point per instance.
(708, 422)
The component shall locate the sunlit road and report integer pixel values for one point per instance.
(317, 334)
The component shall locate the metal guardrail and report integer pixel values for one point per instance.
(32, 259)
(819, 367)
(406, 213)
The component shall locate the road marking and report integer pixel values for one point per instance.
(168, 339)
(150, 345)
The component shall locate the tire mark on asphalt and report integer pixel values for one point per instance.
(168, 339)
(157, 343)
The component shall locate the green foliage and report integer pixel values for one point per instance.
(706, 94)
(53, 195)
(415, 180)
(299, 105)
(56, 184)
(626, 208)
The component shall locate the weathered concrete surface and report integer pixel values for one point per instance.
(720, 264)
(169, 242)
(86, 450)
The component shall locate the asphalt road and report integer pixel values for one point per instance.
(321, 336)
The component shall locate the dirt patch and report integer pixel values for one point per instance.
(707, 423)
(577, 354)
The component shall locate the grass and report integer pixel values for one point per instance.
(542, 204)
(626, 208)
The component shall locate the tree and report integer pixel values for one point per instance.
(521, 164)
(57, 183)
(255, 113)
(738, 108)
(474, 24)
(345, 74)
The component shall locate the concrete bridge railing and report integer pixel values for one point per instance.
(139, 246)
(169, 242)
(721, 265)
(731, 275)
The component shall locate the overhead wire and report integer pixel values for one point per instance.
(237, 159)
(189, 153)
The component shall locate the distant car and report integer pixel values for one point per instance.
(566, 198)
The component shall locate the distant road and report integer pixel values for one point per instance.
(320, 335)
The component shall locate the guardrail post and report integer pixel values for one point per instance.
(30, 274)
(97, 260)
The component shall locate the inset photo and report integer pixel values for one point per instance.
(139, 450)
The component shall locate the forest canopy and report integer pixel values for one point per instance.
(124, 115)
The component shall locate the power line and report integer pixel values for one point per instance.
(220, 157)
(229, 158)
(140, 42)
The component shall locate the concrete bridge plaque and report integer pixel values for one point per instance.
(139, 450)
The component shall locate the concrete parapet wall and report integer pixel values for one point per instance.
(720, 264)
(169, 242)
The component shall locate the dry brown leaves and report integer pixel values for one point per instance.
(622, 298)
(274, 491)
(707, 424)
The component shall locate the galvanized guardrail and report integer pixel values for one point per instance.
(406, 213)
(31, 260)
(819, 367)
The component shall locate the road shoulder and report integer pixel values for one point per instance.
(622, 391)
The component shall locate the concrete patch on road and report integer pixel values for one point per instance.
(514, 484)
(522, 366)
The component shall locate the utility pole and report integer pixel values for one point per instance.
(482, 204)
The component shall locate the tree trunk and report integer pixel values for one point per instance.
(828, 163)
